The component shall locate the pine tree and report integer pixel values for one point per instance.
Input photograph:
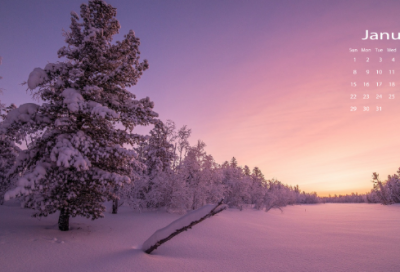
(157, 154)
(78, 158)
(233, 162)
(183, 143)
(246, 170)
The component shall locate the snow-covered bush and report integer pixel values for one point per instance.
(372, 197)
(388, 191)
(78, 158)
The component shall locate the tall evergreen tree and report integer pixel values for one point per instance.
(157, 152)
(78, 157)
(233, 162)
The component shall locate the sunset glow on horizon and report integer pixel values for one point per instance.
(268, 83)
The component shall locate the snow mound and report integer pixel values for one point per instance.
(100, 110)
(72, 98)
(75, 15)
(23, 113)
(36, 77)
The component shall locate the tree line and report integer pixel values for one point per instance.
(180, 177)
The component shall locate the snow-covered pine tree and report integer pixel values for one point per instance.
(183, 143)
(237, 185)
(78, 157)
(258, 186)
(157, 154)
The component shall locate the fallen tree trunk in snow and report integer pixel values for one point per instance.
(183, 223)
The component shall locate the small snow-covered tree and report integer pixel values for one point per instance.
(171, 138)
(388, 192)
(157, 152)
(78, 156)
(157, 155)
(258, 186)
(183, 143)
(237, 185)
(372, 197)
(212, 177)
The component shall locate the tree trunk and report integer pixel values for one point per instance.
(115, 206)
(63, 220)
(115, 201)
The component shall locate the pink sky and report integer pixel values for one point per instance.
(266, 82)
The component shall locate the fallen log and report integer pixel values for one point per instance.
(181, 224)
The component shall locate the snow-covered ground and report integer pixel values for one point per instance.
(324, 237)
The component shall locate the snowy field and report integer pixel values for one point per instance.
(324, 237)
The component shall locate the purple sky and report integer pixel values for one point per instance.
(265, 81)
